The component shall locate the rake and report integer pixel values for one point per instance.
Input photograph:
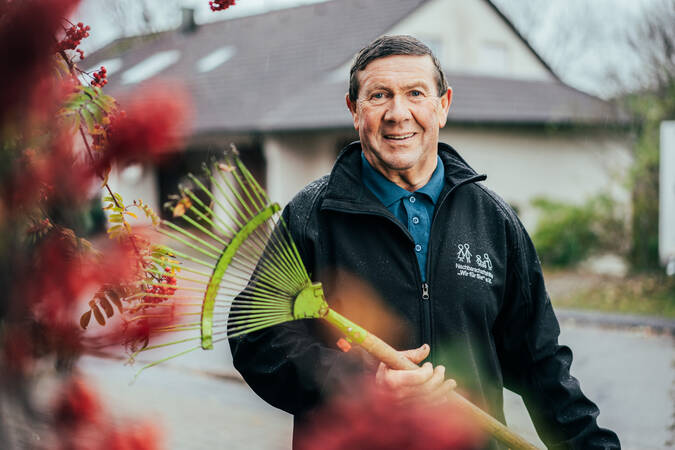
(244, 274)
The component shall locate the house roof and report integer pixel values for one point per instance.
(281, 74)
(476, 99)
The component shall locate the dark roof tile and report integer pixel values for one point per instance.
(475, 99)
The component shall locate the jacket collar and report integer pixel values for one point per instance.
(389, 192)
(346, 186)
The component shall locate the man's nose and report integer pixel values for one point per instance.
(397, 109)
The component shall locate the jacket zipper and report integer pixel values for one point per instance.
(426, 299)
(425, 291)
(426, 316)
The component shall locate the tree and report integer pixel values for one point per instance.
(59, 136)
(132, 17)
(653, 40)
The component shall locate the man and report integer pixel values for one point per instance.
(406, 214)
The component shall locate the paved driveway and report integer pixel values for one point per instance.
(629, 373)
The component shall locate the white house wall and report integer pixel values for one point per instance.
(564, 165)
(520, 163)
(469, 37)
(294, 160)
(472, 38)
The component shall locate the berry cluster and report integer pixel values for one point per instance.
(220, 5)
(165, 291)
(100, 79)
(74, 36)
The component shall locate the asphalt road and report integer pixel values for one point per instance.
(628, 373)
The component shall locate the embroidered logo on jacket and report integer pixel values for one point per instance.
(485, 263)
(484, 270)
(464, 255)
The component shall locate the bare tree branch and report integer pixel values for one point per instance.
(654, 41)
(142, 17)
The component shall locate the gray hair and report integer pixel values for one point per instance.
(388, 46)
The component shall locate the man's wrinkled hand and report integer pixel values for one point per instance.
(424, 384)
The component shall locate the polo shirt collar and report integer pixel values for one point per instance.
(435, 184)
(389, 193)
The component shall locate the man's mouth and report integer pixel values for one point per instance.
(399, 137)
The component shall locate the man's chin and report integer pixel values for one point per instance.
(399, 165)
(395, 159)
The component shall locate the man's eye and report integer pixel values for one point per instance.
(378, 95)
(416, 93)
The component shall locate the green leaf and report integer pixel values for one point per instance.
(106, 106)
(90, 91)
(114, 228)
(158, 252)
(75, 101)
(88, 119)
(108, 103)
(119, 198)
(116, 218)
(95, 111)
(107, 198)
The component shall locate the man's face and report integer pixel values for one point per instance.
(398, 115)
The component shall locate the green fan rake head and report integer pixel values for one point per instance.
(231, 244)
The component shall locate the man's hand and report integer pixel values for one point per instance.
(425, 384)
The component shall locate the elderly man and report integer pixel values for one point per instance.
(407, 214)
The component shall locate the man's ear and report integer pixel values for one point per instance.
(352, 109)
(446, 101)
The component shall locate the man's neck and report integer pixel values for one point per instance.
(410, 180)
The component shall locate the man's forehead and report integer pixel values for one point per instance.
(408, 69)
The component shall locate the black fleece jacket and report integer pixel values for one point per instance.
(484, 309)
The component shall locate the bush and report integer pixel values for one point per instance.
(566, 234)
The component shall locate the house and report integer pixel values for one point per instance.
(274, 84)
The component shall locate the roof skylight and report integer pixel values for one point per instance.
(215, 58)
(150, 66)
(111, 65)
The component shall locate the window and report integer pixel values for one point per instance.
(215, 58)
(150, 67)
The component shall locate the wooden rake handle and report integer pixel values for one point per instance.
(391, 357)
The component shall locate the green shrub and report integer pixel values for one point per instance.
(566, 234)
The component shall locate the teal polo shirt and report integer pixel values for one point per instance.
(413, 209)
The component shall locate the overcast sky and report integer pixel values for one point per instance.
(580, 39)
(96, 13)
